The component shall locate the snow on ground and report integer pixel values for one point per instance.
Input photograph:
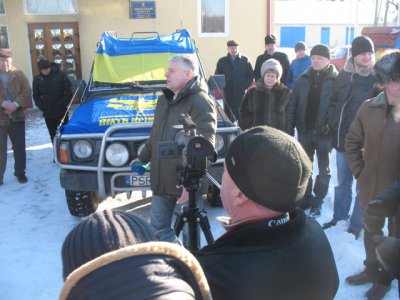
(34, 221)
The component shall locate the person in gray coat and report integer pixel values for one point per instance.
(308, 112)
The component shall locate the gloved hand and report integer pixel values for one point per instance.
(9, 106)
(388, 254)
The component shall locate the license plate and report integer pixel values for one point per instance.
(137, 180)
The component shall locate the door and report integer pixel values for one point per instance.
(59, 43)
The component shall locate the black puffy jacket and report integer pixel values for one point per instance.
(52, 93)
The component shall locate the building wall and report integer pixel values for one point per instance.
(247, 25)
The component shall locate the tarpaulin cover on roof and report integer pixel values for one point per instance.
(383, 37)
(121, 60)
(97, 115)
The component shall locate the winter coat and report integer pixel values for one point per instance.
(373, 147)
(193, 100)
(255, 260)
(154, 270)
(297, 107)
(52, 93)
(238, 77)
(20, 92)
(279, 56)
(351, 91)
(297, 67)
(261, 106)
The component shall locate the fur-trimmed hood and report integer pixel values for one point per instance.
(351, 67)
(154, 270)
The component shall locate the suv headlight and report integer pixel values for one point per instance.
(117, 154)
(82, 149)
(219, 143)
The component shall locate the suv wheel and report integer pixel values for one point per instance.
(81, 203)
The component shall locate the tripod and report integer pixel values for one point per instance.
(194, 217)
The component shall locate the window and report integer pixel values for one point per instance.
(4, 37)
(2, 8)
(213, 17)
(49, 7)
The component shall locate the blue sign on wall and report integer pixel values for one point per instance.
(142, 9)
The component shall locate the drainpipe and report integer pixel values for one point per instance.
(268, 16)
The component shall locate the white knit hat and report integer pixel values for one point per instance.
(271, 64)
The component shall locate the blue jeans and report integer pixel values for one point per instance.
(161, 212)
(344, 195)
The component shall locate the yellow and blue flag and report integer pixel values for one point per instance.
(122, 60)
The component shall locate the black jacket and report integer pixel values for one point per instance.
(279, 56)
(297, 107)
(52, 93)
(351, 91)
(238, 77)
(292, 261)
(261, 106)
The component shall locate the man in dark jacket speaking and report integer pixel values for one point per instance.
(52, 93)
(268, 249)
(186, 94)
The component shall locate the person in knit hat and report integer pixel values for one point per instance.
(308, 112)
(270, 52)
(114, 255)
(152, 270)
(300, 64)
(265, 103)
(102, 232)
(268, 241)
(372, 148)
(52, 94)
(238, 77)
(355, 84)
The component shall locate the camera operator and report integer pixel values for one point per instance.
(266, 251)
(186, 94)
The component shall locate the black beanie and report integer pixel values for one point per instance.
(321, 50)
(43, 64)
(270, 39)
(101, 233)
(299, 46)
(270, 167)
(361, 44)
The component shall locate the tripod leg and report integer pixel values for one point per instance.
(205, 226)
(179, 222)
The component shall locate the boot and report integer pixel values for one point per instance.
(355, 232)
(377, 291)
(360, 278)
(329, 224)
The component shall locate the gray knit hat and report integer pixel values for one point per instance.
(271, 64)
(387, 68)
(270, 167)
(100, 233)
(321, 50)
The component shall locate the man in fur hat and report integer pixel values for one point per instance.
(373, 150)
